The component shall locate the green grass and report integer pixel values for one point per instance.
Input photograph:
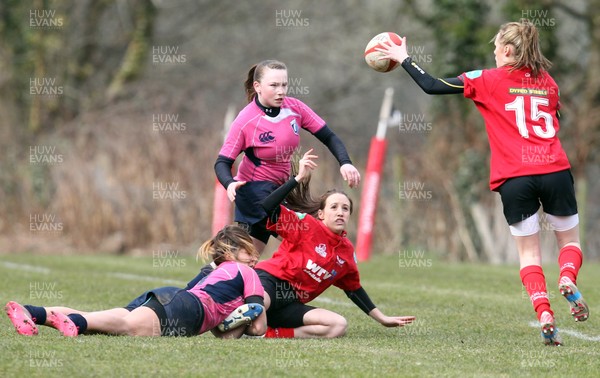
(472, 320)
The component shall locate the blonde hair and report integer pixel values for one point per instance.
(224, 246)
(256, 74)
(524, 37)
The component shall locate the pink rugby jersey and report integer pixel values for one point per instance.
(224, 290)
(269, 141)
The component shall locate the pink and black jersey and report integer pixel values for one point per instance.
(520, 114)
(311, 257)
(268, 142)
(224, 290)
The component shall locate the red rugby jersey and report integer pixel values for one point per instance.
(520, 114)
(311, 257)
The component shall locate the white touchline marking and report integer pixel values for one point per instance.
(348, 303)
(332, 301)
(25, 267)
(125, 276)
(571, 332)
(135, 277)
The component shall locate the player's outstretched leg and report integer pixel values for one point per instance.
(579, 309)
(21, 319)
(243, 315)
(550, 334)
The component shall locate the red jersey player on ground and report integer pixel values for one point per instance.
(313, 255)
(519, 102)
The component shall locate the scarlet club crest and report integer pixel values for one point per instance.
(321, 250)
(294, 125)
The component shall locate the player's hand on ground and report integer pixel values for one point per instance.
(393, 51)
(397, 321)
(305, 165)
(232, 189)
(350, 175)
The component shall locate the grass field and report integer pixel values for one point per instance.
(472, 320)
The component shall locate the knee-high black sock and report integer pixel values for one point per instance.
(38, 314)
(80, 323)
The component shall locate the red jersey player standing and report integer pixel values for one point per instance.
(267, 131)
(519, 102)
(314, 254)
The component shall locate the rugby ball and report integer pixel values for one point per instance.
(372, 56)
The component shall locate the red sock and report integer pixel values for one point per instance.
(279, 333)
(569, 262)
(534, 281)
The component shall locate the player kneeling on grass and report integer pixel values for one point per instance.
(314, 254)
(233, 287)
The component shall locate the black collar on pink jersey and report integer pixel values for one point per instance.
(271, 112)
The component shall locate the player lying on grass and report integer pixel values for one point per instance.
(314, 254)
(519, 102)
(172, 311)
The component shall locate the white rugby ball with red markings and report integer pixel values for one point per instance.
(372, 56)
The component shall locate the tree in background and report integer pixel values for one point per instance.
(144, 87)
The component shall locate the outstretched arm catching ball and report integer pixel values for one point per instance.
(429, 84)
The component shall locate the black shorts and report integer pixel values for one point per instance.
(286, 310)
(522, 196)
(137, 302)
(180, 313)
(143, 298)
(248, 210)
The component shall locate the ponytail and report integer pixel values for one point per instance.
(224, 246)
(301, 200)
(524, 38)
(249, 84)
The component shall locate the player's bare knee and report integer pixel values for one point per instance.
(131, 328)
(338, 327)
